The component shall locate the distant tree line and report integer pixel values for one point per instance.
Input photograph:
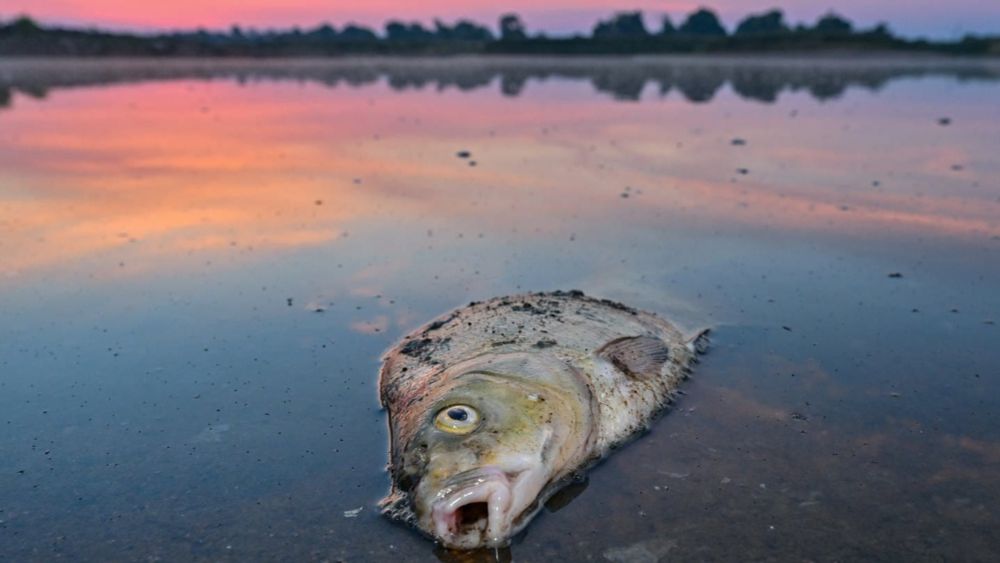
(624, 32)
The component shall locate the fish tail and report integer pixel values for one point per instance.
(698, 343)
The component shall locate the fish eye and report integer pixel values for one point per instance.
(457, 419)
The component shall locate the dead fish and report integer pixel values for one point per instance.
(497, 405)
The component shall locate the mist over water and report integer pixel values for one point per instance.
(201, 262)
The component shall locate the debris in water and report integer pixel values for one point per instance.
(354, 512)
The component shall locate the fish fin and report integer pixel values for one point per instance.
(698, 343)
(639, 357)
(396, 505)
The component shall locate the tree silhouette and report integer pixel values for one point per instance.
(325, 32)
(832, 24)
(621, 25)
(703, 22)
(511, 28)
(23, 24)
(399, 31)
(464, 30)
(667, 26)
(768, 23)
(881, 30)
(357, 33)
(621, 33)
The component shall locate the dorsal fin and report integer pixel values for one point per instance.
(640, 357)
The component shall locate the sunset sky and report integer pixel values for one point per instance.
(908, 17)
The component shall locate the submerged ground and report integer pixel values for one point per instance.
(200, 263)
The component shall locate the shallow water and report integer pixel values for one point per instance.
(200, 263)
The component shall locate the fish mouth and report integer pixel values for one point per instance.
(478, 507)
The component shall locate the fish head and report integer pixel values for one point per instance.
(486, 453)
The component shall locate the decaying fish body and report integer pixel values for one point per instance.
(494, 406)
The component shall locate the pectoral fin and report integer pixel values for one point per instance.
(639, 357)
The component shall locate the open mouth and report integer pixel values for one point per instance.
(472, 517)
(476, 509)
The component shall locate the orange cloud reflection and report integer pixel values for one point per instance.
(156, 170)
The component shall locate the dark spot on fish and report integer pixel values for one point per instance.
(561, 293)
(440, 323)
(502, 343)
(743, 171)
(408, 481)
(463, 154)
(618, 306)
(789, 329)
(545, 343)
(944, 121)
(415, 348)
(527, 308)
(895, 275)
(737, 142)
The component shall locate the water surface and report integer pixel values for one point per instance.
(200, 263)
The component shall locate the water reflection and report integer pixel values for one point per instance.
(200, 264)
(206, 164)
(697, 80)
